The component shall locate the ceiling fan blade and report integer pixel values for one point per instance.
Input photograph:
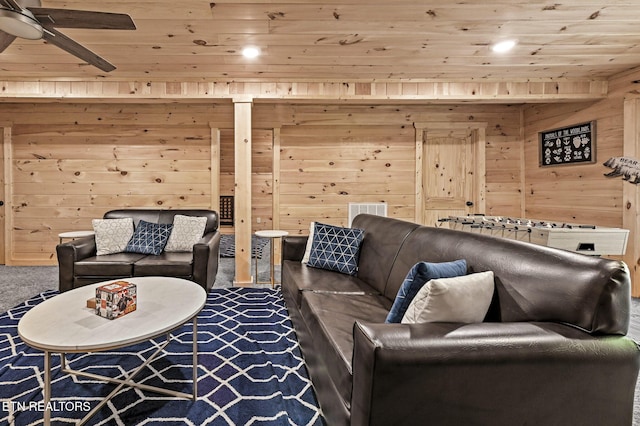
(10, 4)
(65, 43)
(67, 18)
(5, 40)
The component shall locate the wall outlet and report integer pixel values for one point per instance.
(259, 219)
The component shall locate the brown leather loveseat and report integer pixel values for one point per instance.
(551, 350)
(79, 265)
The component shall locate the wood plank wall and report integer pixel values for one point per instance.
(3, 193)
(368, 152)
(581, 193)
(578, 192)
(72, 162)
(574, 193)
(323, 168)
(261, 175)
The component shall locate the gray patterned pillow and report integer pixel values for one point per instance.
(112, 235)
(307, 250)
(187, 230)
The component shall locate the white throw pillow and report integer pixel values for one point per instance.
(112, 235)
(307, 251)
(463, 299)
(187, 230)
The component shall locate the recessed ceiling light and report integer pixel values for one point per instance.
(251, 52)
(503, 46)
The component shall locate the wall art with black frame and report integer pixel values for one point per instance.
(568, 145)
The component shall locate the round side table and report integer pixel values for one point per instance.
(72, 235)
(272, 235)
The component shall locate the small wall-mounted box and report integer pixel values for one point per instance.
(116, 299)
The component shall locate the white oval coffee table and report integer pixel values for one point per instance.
(63, 324)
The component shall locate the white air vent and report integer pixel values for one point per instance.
(378, 209)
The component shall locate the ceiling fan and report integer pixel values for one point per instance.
(26, 19)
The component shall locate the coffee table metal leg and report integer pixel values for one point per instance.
(195, 358)
(127, 378)
(47, 388)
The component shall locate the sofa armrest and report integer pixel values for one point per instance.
(293, 247)
(491, 373)
(206, 253)
(68, 253)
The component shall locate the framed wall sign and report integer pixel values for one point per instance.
(568, 145)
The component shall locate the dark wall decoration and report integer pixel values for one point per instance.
(568, 145)
(626, 167)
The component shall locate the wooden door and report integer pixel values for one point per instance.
(452, 173)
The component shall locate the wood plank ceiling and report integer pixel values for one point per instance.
(355, 40)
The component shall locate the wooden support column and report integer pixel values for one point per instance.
(275, 193)
(3, 193)
(242, 204)
(523, 167)
(630, 192)
(419, 183)
(215, 168)
(6, 215)
(480, 172)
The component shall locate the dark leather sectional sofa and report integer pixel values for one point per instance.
(79, 265)
(551, 351)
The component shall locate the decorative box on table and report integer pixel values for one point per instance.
(116, 299)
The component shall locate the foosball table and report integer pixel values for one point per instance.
(586, 239)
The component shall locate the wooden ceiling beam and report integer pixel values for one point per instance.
(378, 92)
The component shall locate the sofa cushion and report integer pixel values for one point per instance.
(108, 265)
(330, 319)
(298, 278)
(112, 235)
(420, 274)
(463, 299)
(187, 231)
(149, 238)
(335, 248)
(384, 237)
(527, 278)
(178, 264)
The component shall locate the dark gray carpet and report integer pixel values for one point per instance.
(228, 245)
(19, 283)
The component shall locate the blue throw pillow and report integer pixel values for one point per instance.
(149, 238)
(418, 276)
(335, 248)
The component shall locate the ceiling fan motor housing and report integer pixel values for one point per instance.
(20, 23)
(26, 19)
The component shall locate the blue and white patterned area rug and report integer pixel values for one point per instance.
(250, 371)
